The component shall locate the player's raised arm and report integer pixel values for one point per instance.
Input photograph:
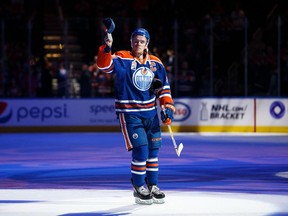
(104, 60)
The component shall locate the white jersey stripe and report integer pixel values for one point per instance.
(135, 101)
(134, 110)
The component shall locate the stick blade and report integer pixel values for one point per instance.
(179, 149)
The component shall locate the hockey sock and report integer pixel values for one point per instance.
(138, 165)
(152, 167)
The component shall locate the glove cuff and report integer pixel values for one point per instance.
(167, 121)
(170, 106)
(107, 49)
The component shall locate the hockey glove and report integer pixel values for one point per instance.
(167, 114)
(109, 27)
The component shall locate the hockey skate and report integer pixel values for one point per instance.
(158, 196)
(142, 196)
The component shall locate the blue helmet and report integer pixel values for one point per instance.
(141, 31)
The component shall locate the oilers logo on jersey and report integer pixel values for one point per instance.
(142, 78)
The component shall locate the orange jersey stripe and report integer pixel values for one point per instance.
(124, 132)
(104, 60)
(131, 106)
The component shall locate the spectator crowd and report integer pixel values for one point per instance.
(184, 38)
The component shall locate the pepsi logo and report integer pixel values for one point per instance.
(5, 114)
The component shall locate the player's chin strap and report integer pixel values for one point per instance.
(146, 52)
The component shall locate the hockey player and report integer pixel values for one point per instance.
(140, 80)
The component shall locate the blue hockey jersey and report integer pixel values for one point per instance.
(133, 80)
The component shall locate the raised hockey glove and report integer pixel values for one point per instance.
(109, 27)
(167, 114)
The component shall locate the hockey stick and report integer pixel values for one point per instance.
(179, 148)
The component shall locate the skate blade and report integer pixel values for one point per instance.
(158, 201)
(143, 202)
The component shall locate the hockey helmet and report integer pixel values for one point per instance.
(141, 31)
